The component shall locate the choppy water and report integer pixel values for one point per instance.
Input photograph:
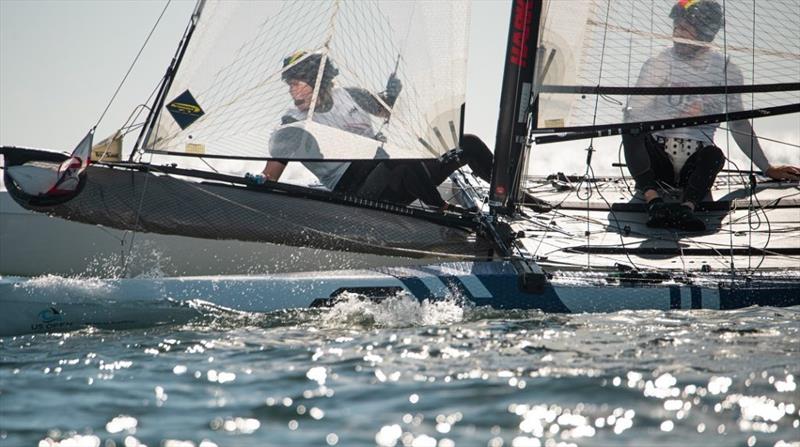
(404, 374)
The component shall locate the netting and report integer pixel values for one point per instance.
(144, 202)
(234, 69)
(634, 43)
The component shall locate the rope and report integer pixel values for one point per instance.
(135, 59)
(590, 149)
(752, 187)
(727, 135)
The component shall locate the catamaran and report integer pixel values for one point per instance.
(558, 243)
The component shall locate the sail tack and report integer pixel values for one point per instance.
(236, 70)
(604, 63)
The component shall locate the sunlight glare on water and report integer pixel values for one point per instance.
(405, 373)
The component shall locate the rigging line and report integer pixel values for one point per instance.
(209, 165)
(135, 59)
(730, 231)
(134, 232)
(652, 23)
(725, 66)
(759, 137)
(323, 62)
(125, 259)
(552, 218)
(465, 186)
(652, 236)
(338, 237)
(752, 187)
(408, 33)
(622, 170)
(620, 231)
(400, 51)
(133, 127)
(143, 107)
(628, 98)
(126, 128)
(766, 219)
(590, 150)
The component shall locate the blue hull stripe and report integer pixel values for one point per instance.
(674, 297)
(697, 297)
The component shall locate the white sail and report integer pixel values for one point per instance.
(234, 63)
(601, 43)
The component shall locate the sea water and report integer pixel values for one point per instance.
(404, 373)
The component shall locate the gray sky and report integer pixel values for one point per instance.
(60, 62)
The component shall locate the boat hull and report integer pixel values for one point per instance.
(132, 198)
(58, 305)
(35, 244)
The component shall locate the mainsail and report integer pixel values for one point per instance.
(230, 80)
(598, 65)
(599, 58)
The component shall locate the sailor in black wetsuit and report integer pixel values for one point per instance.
(687, 157)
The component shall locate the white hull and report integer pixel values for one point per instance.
(53, 304)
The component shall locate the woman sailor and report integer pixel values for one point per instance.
(349, 109)
(687, 157)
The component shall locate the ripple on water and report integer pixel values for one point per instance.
(404, 373)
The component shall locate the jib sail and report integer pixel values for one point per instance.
(388, 81)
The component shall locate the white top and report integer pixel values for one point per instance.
(344, 114)
(668, 69)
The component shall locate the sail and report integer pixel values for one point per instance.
(230, 97)
(602, 64)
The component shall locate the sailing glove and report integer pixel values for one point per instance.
(393, 88)
(255, 179)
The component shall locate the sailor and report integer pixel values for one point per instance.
(687, 157)
(350, 109)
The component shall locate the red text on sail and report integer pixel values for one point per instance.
(523, 15)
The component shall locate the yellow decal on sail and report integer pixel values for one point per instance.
(554, 122)
(195, 148)
(185, 110)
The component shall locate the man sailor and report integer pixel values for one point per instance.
(687, 157)
(349, 109)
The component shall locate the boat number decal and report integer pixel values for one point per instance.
(185, 110)
(50, 315)
(51, 319)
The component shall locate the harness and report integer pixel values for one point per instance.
(679, 150)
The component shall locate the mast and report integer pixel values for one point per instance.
(515, 100)
(169, 76)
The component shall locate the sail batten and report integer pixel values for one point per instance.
(583, 132)
(707, 89)
(606, 60)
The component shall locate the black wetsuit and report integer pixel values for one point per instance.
(403, 182)
(649, 165)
